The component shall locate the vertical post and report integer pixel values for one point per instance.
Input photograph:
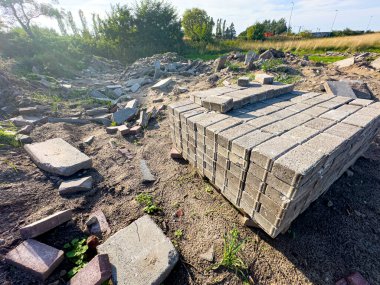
(290, 18)
(332, 26)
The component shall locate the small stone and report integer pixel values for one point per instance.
(349, 173)
(147, 176)
(135, 130)
(112, 130)
(330, 204)
(220, 63)
(24, 139)
(264, 78)
(46, 224)
(26, 130)
(2, 241)
(135, 87)
(208, 255)
(356, 279)
(162, 84)
(37, 258)
(243, 81)
(101, 226)
(76, 185)
(98, 270)
(175, 154)
(341, 282)
(89, 140)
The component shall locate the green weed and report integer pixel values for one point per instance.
(325, 59)
(270, 64)
(76, 253)
(147, 201)
(287, 79)
(8, 138)
(209, 189)
(178, 234)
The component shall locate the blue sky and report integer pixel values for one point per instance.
(307, 14)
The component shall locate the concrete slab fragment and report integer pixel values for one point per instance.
(140, 254)
(75, 185)
(339, 88)
(58, 157)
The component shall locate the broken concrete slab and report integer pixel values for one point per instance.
(76, 185)
(97, 224)
(345, 62)
(147, 176)
(58, 157)
(135, 130)
(264, 78)
(162, 84)
(133, 104)
(339, 88)
(24, 139)
(22, 121)
(46, 224)
(98, 270)
(243, 81)
(135, 87)
(122, 115)
(35, 257)
(97, 111)
(140, 254)
(376, 63)
(220, 63)
(360, 89)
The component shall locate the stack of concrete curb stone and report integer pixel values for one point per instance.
(279, 151)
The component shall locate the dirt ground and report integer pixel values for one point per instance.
(338, 234)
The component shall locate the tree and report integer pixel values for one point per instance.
(71, 23)
(197, 25)
(24, 12)
(232, 31)
(85, 30)
(95, 25)
(256, 32)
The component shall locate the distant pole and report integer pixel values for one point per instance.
(290, 18)
(332, 26)
(369, 23)
(299, 30)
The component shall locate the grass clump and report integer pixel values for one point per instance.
(178, 234)
(287, 79)
(76, 253)
(150, 207)
(325, 59)
(270, 64)
(8, 138)
(231, 251)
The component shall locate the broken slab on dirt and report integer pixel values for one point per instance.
(339, 88)
(58, 157)
(140, 254)
(360, 89)
(376, 63)
(162, 84)
(22, 121)
(37, 258)
(122, 115)
(75, 185)
(46, 224)
(147, 176)
(97, 224)
(345, 62)
(98, 270)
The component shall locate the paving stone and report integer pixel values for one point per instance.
(320, 124)
(58, 157)
(98, 270)
(325, 143)
(243, 81)
(358, 120)
(344, 130)
(46, 224)
(300, 134)
(264, 78)
(219, 104)
(97, 224)
(361, 102)
(75, 185)
(112, 130)
(147, 176)
(244, 144)
(339, 88)
(140, 254)
(35, 257)
(162, 84)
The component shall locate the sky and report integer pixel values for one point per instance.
(314, 15)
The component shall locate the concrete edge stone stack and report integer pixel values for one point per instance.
(271, 159)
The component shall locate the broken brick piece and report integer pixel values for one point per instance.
(97, 271)
(37, 258)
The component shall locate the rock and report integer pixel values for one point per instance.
(58, 157)
(98, 270)
(356, 279)
(112, 130)
(266, 55)
(135, 87)
(140, 254)
(26, 130)
(35, 257)
(113, 87)
(147, 176)
(330, 204)
(144, 119)
(264, 78)
(2, 242)
(135, 130)
(220, 63)
(141, 81)
(118, 92)
(376, 64)
(341, 282)
(97, 111)
(157, 70)
(162, 84)
(248, 57)
(123, 130)
(175, 154)
(133, 104)
(97, 224)
(208, 255)
(24, 139)
(349, 173)
(89, 140)
(46, 224)
(92, 242)
(22, 121)
(122, 115)
(243, 81)
(339, 88)
(360, 89)
(76, 185)
(277, 53)
(345, 62)
(28, 111)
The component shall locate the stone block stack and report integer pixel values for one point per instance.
(276, 154)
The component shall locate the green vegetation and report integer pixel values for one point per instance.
(287, 78)
(150, 207)
(178, 234)
(231, 251)
(208, 188)
(76, 253)
(8, 138)
(271, 64)
(326, 59)
(260, 29)
(197, 25)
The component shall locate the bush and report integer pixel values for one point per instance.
(197, 25)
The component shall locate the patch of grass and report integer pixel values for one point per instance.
(11, 165)
(150, 207)
(8, 138)
(234, 66)
(270, 64)
(231, 251)
(209, 189)
(325, 59)
(113, 124)
(178, 234)
(76, 253)
(287, 78)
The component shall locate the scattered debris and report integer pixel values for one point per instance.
(58, 157)
(147, 176)
(89, 140)
(97, 224)
(75, 185)
(162, 84)
(140, 254)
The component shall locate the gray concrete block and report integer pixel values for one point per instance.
(221, 104)
(243, 145)
(320, 124)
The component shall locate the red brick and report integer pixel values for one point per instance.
(37, 258)
(356, 279)
(46, 224)
(97, 271)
